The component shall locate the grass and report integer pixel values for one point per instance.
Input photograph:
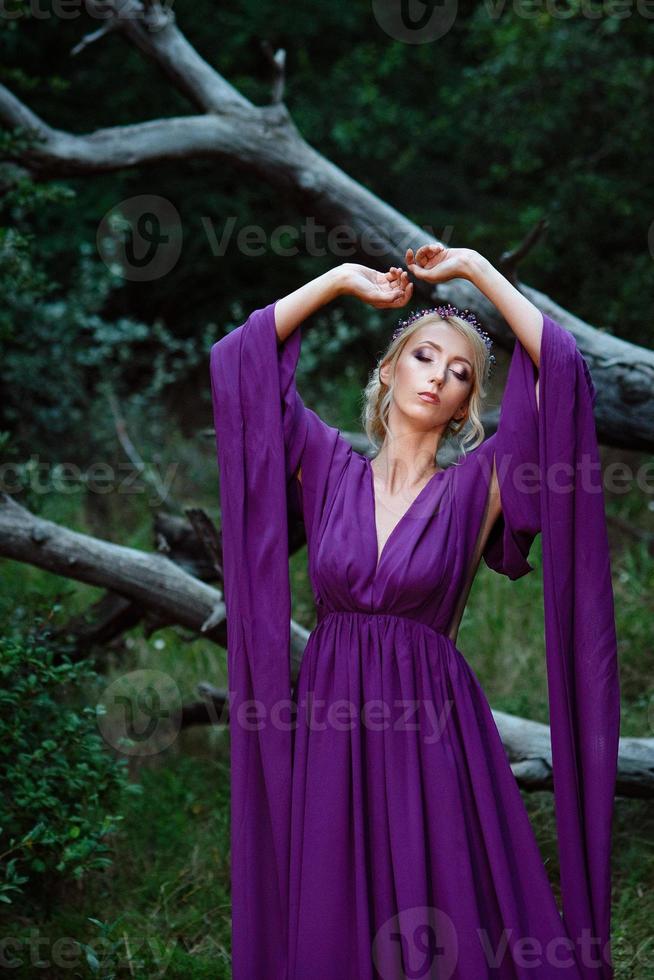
(165, 901)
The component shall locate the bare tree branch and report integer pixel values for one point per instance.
(529, 750)
(156, 582)
(62, 154)
(15, 114)
(153, 30)
(265, 141)
(508, 261)
(148, 473)
(163, 589)
(277, 61)
(89, 39)
(206, 532)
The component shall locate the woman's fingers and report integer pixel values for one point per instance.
(426, 253)
(432, 247)
(397, 277)
(395, 296)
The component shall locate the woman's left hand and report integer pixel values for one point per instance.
(438, 263)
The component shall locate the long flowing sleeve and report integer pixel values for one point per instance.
(263, 433)
(549, 475)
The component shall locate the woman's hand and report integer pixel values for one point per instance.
(438, 263)
(383, 290)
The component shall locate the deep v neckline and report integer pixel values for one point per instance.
(380, 554)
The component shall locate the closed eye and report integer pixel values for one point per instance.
(420, 356)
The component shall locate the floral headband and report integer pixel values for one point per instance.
(448, 310)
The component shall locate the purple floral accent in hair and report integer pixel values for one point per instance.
(444, 310)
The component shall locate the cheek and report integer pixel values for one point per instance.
(407, 374)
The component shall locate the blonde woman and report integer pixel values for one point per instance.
(377, 829)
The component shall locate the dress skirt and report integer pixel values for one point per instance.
(403, 798)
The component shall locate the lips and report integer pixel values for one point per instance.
(427, 396)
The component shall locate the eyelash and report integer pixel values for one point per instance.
(461, 377)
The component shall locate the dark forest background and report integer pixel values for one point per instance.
(506, 120)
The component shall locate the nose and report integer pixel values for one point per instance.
(438, 373)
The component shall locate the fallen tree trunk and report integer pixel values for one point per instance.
(161, 588)
(155, 584)
(151, 580)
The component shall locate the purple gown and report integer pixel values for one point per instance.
(377, 830)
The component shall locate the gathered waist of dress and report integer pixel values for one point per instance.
(364, 614)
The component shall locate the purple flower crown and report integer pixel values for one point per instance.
(448, 309)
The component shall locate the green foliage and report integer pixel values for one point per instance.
(60, 355)
(59, 786)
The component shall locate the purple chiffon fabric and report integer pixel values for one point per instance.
(377, 830)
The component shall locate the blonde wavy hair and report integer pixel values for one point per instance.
(378, 397)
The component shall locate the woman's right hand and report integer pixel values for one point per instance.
(436, 263)
(383, 290)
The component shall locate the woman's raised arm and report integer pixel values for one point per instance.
(291, 310)
(524, 318)
(382, 290)
(436, 263)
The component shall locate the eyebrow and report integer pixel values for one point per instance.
(431, 343)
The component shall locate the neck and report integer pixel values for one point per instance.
(404, 470)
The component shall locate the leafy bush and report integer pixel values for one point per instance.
(62, 355)
(59, 786)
